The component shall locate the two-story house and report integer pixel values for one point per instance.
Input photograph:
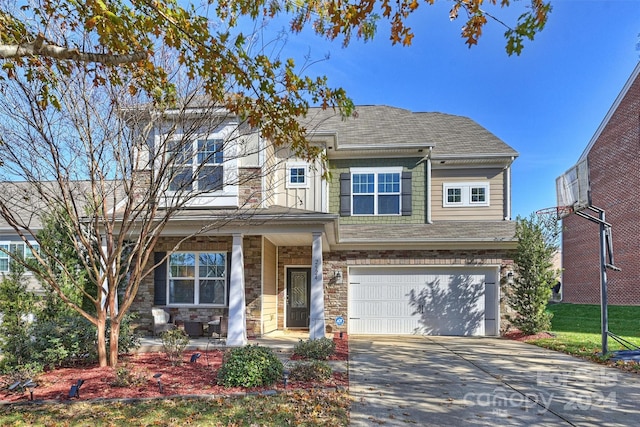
(407, 231)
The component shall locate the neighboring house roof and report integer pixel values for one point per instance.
(28, 205)
(381, 126)
(612, 110)
(445, 232)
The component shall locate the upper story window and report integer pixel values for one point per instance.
(197, 278)
(297, 175)
(197, 165)
(465, 194)
(19, 249)
(376, 191)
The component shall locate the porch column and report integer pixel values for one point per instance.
(237, 334)
(316, 320)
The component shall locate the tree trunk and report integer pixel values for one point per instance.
(102, 339)
(114, 336)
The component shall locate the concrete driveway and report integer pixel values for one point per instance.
(455, 381)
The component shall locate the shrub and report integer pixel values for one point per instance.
(64, 341)
(250, 366)
(174, 342)
(320, 349)
(23, 373)
(17, 306)
(125, 377)
(315, 370)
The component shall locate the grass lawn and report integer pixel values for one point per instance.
(295, 408)
(577, 329)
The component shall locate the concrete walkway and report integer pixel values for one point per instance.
(455, 381)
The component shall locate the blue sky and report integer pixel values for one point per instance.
(546, 103)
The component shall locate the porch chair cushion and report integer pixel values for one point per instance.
(161, 321)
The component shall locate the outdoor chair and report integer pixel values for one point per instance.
(218, 328)
(161, 321)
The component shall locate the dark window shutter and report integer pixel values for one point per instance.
(406, 193)
(160, 279)
(345, 194)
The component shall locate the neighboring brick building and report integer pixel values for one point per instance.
(614, 162)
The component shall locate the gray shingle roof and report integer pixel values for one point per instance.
(440, 232)
(392, 127)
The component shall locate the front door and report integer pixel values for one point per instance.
(298, 297)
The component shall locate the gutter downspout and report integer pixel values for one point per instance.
(507, 216)
(427, 160)
(428, 183)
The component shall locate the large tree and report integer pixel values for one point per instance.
(84, 84)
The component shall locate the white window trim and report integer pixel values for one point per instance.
(376, 171)
(196, 281)
(228, 195)
(297, 165)
(8, 243)
(465, 188)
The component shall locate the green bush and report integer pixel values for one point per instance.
(22, 373)
(126, 377)
(315, 370)
(64, 341)
(320, 349)
(250, 366)
(174, 342)
(17, 306)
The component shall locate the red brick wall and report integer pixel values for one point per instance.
(614, 163)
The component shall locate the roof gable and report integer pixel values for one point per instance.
(384, 127)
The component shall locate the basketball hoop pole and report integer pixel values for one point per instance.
(606, 261)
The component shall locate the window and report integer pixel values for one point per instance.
(376, 191)
(17, 248)
(297, 174)
(465, 194)
(197, 165)
(197, 278)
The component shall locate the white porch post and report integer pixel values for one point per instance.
(237, 334)
(316, 321)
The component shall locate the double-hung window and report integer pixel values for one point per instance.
(197, 278)
(465, 194)
(196, 165)
(15, 248)
(376, 191)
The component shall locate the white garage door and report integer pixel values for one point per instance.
(423, 300)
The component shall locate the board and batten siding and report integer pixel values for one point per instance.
(496, 209)
(307, 198)
(269, 288)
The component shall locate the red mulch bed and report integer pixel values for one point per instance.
(197, 378)
(517, 335)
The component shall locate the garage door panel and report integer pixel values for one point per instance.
(433, 301)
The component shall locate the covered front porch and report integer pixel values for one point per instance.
(273, 276)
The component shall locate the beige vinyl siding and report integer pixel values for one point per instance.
(495, 210)
(307, 198)
(269, 288)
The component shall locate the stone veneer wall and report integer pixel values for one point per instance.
(250, 187)
(252, 261)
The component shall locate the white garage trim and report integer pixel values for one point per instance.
(429, 300)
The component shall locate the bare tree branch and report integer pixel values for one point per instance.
(40, 48)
